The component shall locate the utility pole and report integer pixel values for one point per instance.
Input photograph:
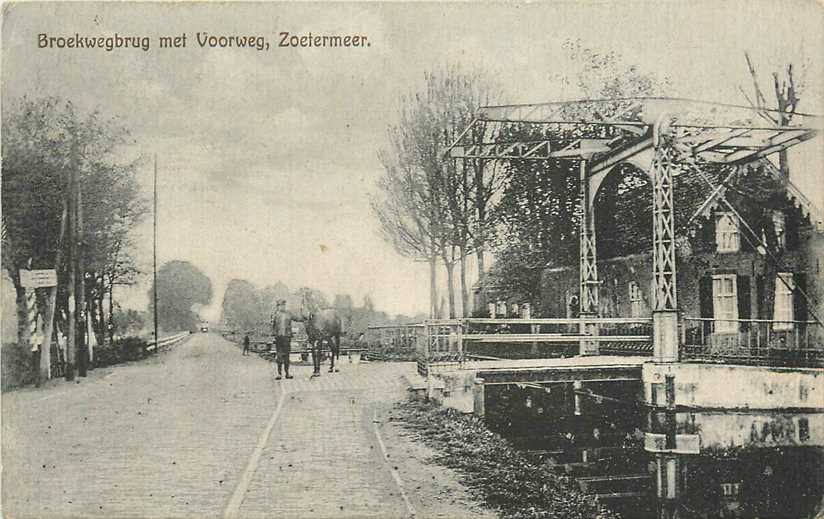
(72, 263)
(154, 254)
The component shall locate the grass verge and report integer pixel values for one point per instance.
(505, 479)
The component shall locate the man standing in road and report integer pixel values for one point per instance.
(282, 329)
(246, 344)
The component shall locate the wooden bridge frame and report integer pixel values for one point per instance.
(661, 136)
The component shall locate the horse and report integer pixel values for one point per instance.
(323, 325)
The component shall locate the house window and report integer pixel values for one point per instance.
(725, 303)
(726, 232)
(783, 310)
(636, 303)
(780, 224)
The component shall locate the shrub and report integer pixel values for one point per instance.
(123, 350)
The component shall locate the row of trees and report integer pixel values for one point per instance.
(247, 308)
(43, 140)
(438, 210)
(430, 209)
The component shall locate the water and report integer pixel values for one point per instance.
(750, 465)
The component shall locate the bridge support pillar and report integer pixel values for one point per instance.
(589, 330)
(665, 312)
(479, 401)
(668, 474)
(665, 335)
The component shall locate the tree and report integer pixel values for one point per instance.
(43, 140)
(539, 210)
(128, 321)
(241, 305)
(180, 286)
(407, 214)
(426, 210)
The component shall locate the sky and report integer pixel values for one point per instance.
(267, 159)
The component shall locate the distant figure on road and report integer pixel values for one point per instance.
(246, 344)
(282, 330)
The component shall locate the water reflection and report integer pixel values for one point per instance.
(710, 464)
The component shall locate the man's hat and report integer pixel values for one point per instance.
(281, 302)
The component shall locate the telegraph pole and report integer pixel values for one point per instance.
(154, 253)
(72, 263)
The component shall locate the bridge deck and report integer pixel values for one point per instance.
(594, 368)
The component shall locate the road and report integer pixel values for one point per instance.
(202, 431)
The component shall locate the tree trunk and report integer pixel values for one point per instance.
(82, 310)
(101, 314)
(110, 322)
(22, 310)
(465, 309)
(450, 282)
(433, 287)
(480, 213)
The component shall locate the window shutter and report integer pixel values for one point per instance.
(793, 234)
(761, 297)
(705, 301)
(744, 300)
(708, 234)
(799, 303)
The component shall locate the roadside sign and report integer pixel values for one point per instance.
(38, 278)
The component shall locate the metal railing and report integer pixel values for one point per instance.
(166, 341)
(753, 341)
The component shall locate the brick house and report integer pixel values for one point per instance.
(723, 277)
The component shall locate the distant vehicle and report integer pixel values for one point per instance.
(204, 327)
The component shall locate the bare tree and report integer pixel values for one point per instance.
(786, 99)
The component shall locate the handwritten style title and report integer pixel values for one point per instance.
(202, 40)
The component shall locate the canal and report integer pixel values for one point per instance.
(729, 465)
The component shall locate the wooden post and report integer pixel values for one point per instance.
(45, 348)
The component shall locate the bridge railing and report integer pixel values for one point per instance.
(395, 342)
(753, 341)
(441, 343)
